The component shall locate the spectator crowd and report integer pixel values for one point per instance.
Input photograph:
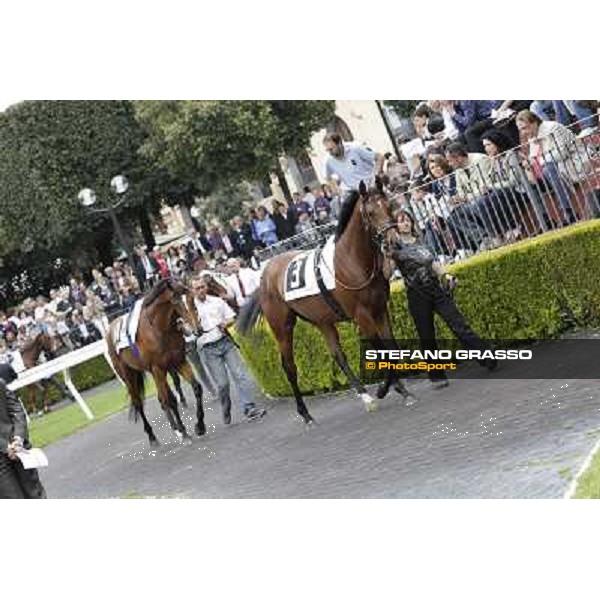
(480, 174)
(475, 175)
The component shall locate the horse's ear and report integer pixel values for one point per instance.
(362, 189)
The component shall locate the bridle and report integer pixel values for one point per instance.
(378, 237)
(176, 302)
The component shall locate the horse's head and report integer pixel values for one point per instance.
(183, 302)
(42, 342)
(377, 215)
(49, 344)
(172, 292)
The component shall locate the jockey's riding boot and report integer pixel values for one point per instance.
(345, 213)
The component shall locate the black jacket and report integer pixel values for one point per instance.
(285, 228)
(15, 481)
(12, 416)
(242, 241)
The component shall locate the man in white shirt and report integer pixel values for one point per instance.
(220, 353)
(350, 163)
(243, 282)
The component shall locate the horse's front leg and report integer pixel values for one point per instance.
(186, 371)
(333, 341)
(382, 335)
(168, 401)
(177, 383)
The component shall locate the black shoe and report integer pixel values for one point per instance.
(255, 413)
(489, 363)
(438, 384)
(227, 419)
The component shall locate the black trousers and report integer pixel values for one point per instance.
(17, 483)
(423, 302)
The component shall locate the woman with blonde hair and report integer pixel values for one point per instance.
(555, 159)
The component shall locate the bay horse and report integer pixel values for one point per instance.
(362, 291)
(30, 354)
(217, 286)
(159, 348)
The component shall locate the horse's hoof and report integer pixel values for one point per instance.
(187, 440)
(154, 443)
(369, 402)
(200, 429)
(382, 390)
(310, 423)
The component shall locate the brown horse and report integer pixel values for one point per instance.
(362, 292)
(30, 354)
(217, 287)
(159, 348)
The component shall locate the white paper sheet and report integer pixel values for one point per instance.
(33, 459)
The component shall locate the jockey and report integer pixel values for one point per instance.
(351, 163)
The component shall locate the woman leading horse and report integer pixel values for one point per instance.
(361, 294)
(159, 348)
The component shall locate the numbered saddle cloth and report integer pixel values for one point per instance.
(125, 327)
(300, 279)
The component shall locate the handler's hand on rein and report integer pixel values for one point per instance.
(449, 282)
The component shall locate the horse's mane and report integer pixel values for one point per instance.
(346, 213)
(156, 291)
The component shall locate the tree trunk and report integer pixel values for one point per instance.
(285, 188)
(146, 228)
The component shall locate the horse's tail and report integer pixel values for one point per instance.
(249, 314)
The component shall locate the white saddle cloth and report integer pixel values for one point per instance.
(299, 277)
(124, 325)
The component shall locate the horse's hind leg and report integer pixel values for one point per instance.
(283, 328)
(177, 383)
(147, 427)
(333, 341)
(134, 382)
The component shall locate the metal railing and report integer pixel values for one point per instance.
(313, 237)
(515, 195)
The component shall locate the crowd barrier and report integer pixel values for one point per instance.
(308, 239)
(519, 198)
(63, 365)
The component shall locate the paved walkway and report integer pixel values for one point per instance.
(476, 439)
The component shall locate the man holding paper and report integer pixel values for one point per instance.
(16, 482)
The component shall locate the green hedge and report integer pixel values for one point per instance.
(533, 289)
(85, 376)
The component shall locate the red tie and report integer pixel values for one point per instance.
(241, 285)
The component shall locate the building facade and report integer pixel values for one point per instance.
(356, 120)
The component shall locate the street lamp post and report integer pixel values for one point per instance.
(388, 129)
(87, 197)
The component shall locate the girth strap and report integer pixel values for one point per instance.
(327, 295)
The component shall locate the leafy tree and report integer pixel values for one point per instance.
(214, 143)
(48, 152)
(403, 108)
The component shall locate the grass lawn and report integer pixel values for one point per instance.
(66, 421)
(589, 484)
